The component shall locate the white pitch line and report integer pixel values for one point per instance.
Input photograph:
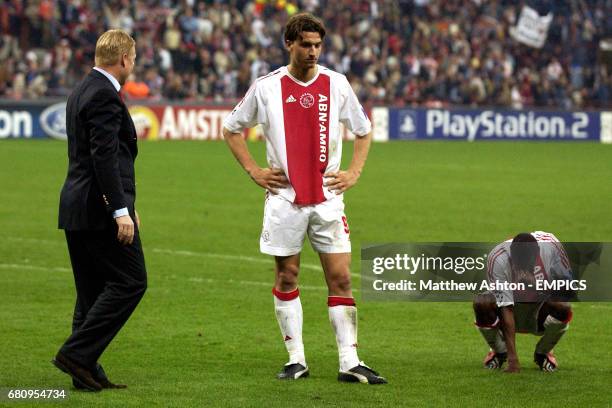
(226, 257)
(198, 280)
(36, 240)
(253, 283)
(182, 252)
(233, 258)
(34, 267)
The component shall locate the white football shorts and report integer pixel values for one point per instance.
(285, 225)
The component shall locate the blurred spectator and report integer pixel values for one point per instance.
(133, 89)
(394, 52)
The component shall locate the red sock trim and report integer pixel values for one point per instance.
(340, 301)
(286, 296)
(570, 315)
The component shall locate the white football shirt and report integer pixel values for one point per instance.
(551, 264)
(301, 122)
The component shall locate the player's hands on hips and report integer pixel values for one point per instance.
(269, 178)
(125, 229)
(340, 181)
(513, 365)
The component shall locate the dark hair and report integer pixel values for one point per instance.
(303, 22)
(524, 251)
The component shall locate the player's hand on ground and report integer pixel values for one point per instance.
(125, 229)
(269, 178)
(340, 181)
(513, 366)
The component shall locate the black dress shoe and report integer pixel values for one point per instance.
(99, 375)
(78, 373)
(109, 385)
(103, 382)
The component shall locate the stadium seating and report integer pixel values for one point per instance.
(421, 52)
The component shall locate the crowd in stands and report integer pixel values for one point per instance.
(394, 52)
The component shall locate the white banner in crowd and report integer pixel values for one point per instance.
(532, 28)
(606, 127)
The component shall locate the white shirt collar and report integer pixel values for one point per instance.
(110, 78)
(314, 78)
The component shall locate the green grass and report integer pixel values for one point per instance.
(205, 333)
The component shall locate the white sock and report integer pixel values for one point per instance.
(288, 310)
(493, 337)
(343, 318)
(554, 329)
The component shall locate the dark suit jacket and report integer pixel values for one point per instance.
(101, 153)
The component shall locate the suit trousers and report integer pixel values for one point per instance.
(110, 280)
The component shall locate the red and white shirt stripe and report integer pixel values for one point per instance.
(301, 123)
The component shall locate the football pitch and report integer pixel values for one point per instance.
(205, 333)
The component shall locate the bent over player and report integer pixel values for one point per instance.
(300, 107)
(501, 313)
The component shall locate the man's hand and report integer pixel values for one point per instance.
(526, 277)
(137, 219)
(125, 230)
(270, 179)
(513, 365)
(340, 181)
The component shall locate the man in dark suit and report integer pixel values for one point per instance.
(97, 212)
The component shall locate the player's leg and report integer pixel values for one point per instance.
(328, 231)
(553, 320)
(288, 309)
(342, 310)
(284, 229)
(343, 318)
(487, 321)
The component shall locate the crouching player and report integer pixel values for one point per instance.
(500, 314)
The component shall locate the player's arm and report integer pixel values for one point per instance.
(498, 271)
(340, 181)
(353, 116)
(245, 115)
(509, 331)
(270, 179)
